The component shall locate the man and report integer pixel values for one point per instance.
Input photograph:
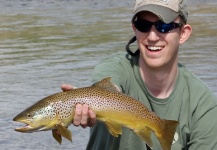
(153, 76)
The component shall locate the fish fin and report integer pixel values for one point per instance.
(145, 134)
(64, 132)
(106, 84)
(114, 129)
(167, 134)
(56, 136)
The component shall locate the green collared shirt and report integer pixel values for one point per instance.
(191, 103)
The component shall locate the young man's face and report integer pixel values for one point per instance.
(158, 49)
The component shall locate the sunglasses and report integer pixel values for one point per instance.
(145, 26)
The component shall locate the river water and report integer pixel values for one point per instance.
(46, 43)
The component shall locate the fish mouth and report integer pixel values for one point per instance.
(27, 128)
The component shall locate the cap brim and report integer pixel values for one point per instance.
(165, 14)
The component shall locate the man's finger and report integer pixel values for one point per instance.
(85, 116)
(78, 115)
(66, 87)
(92, 118)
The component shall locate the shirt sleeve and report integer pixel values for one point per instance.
(204, 124)
(110, 67)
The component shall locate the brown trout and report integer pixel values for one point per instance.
(115, 109)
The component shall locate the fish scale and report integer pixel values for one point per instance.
(115, 109)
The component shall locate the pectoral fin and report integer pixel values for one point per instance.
(64, 132)
(114, 129)
(56, 136)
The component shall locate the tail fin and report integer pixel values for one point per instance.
(167, 134)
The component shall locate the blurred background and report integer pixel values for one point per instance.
(44, 44)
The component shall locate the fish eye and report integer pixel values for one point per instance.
(28, 115)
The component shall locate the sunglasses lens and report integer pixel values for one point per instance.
(163, 27)
(143, 25)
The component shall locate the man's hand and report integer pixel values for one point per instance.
(84, 116)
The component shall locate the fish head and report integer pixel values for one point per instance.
(35, 120)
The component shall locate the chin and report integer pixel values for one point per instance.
(154, 63)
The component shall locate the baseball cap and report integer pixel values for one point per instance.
(166, 10)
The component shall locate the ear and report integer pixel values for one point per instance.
(185, 33)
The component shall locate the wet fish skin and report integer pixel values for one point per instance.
(115, 109)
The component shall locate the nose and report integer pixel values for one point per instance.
(153, 34)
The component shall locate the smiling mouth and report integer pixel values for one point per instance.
(154, 48)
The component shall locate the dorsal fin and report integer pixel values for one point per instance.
(106, 84)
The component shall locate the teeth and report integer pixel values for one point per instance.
(154, 48)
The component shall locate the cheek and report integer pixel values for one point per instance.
(139, 35)
(172, 46)
(141, 38)
(173, 40)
